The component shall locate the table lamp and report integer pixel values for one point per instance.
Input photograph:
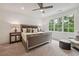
(15, 27)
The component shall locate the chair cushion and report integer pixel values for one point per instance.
(74, 41)
(77, 38)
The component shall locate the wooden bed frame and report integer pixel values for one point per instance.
(35, 39)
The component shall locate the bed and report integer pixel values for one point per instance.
(31, 38)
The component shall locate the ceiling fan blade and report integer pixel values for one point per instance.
(47, 7)
(36, 9)
(40, 5)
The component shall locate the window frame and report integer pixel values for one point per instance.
(62, 30)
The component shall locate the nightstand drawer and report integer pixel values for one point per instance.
(14, 34)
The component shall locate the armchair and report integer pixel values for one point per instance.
(75, 42)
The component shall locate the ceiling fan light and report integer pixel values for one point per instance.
(22, 8)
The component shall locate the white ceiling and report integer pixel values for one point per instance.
(28, 7)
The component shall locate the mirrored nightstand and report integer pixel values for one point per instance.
(15, 35)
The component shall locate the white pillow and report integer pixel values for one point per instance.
(24, 30)
(35, 30)
(30, 30)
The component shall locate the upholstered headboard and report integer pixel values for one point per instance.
(28, 26)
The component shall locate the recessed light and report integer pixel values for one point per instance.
(41, 10)
(22, 8)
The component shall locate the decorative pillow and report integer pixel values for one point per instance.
(34, 30)
(30, 30)
(24, 30)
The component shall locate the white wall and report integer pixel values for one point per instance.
(62, 35)
(9, 17)
(4, 30)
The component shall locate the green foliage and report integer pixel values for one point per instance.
(68, 24)
(58, 25)
(51, 25)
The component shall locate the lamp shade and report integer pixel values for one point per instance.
(15, 27)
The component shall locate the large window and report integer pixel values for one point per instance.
(58, 24)
(51, 25)
(65, 24)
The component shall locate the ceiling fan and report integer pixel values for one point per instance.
(41, 7)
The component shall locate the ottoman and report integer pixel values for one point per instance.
(65, 45)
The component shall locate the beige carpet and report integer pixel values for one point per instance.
(50, 49)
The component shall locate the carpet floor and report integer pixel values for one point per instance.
(50, 49)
